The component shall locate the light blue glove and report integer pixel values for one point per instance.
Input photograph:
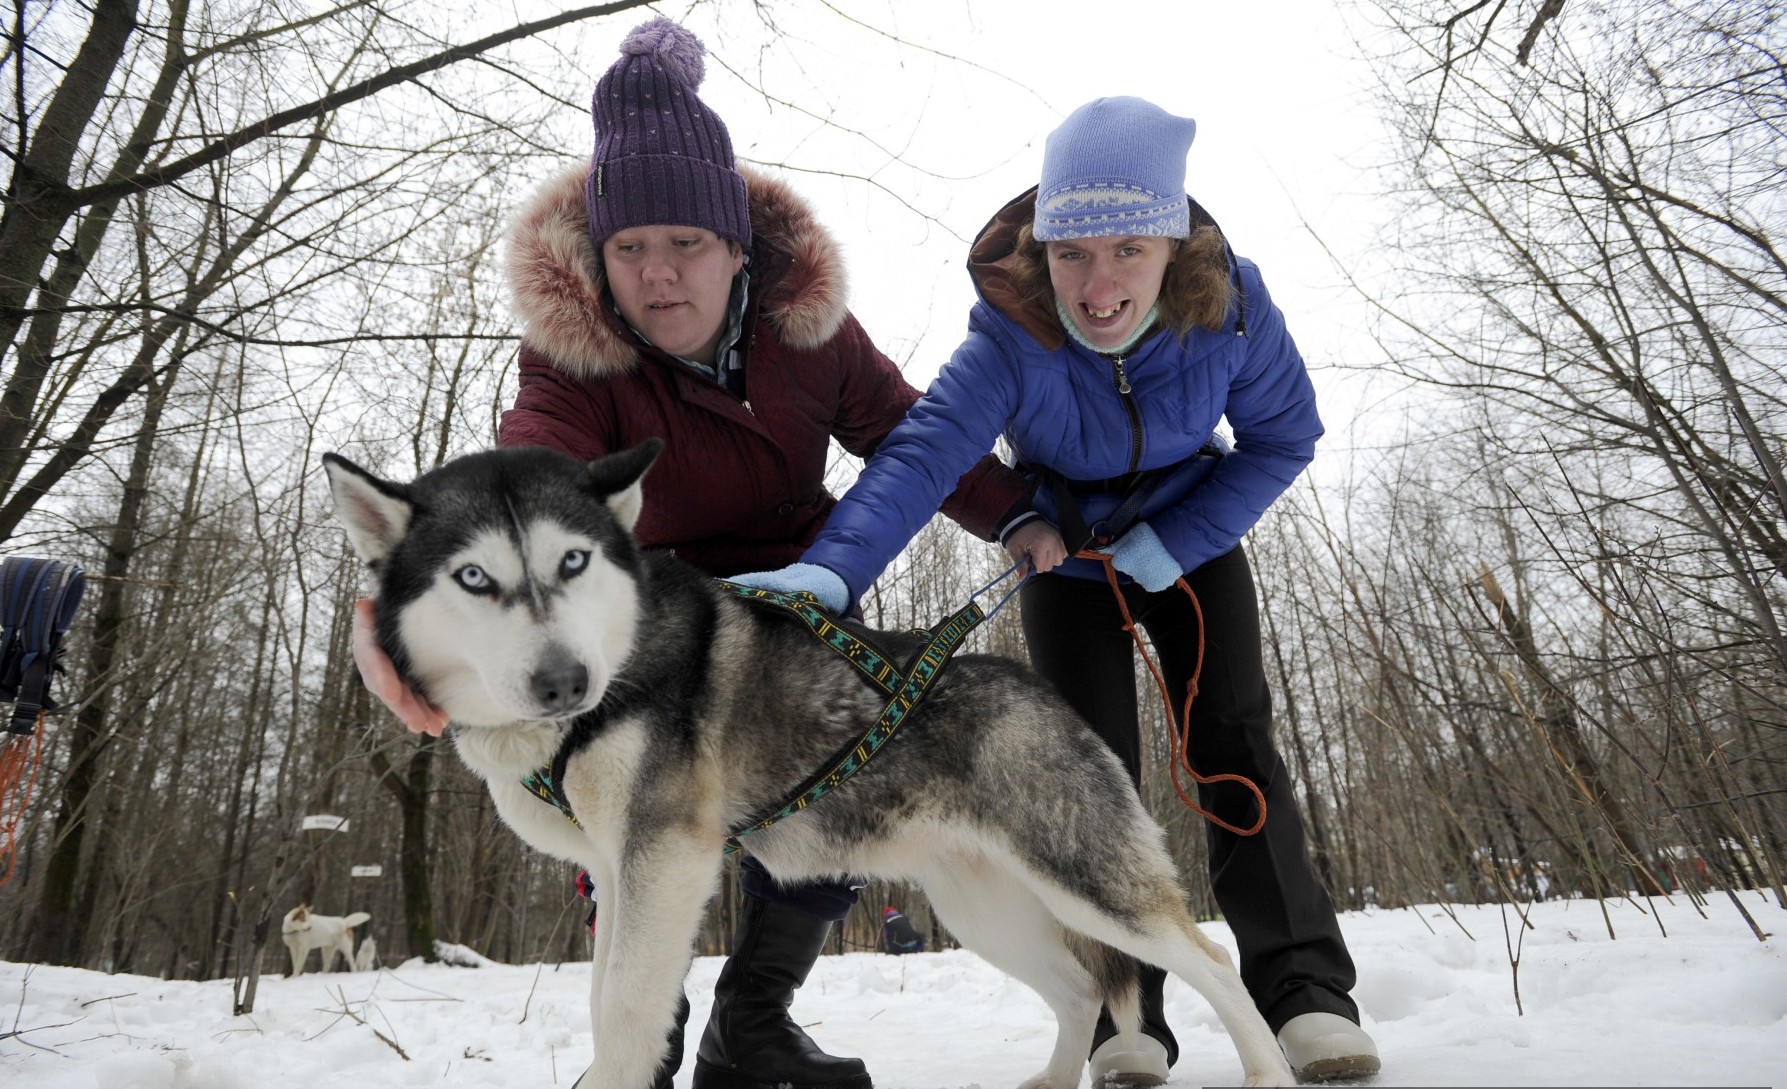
(1140, 555)
(822, 582)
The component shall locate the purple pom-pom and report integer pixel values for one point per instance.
(675, 49)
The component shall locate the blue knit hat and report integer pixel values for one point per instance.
(662, 156)
(1116, 166)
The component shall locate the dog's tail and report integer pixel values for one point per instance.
(1114, 972)
(356, 918)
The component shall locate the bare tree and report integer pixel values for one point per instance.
(205, 222)
(148, 101)
(1589, 271)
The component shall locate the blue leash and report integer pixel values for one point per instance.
(1009, 594)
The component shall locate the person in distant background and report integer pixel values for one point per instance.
(1114, 330)
(665, 293)
(898, 935)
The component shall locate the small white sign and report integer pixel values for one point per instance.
(325, 821)
(373, 870)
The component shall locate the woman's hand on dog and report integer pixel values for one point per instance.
(1037, 546)
(381, 677)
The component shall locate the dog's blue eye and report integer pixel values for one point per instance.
(473, 578)
(574, 562)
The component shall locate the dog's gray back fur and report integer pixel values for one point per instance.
(985, 748)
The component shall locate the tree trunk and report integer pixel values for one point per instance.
(412, 794)
(418, 900)
(1563, 737)
(31, 223)
(60, 933)
(33, 361)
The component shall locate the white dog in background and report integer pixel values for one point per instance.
(366, 960)
(305, 930)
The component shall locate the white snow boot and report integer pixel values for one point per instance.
(1327, 1047)
(1129, 1059)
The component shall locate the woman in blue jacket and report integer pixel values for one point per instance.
(1114, 330)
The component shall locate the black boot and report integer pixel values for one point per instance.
(750, 1042)
(673, 1054)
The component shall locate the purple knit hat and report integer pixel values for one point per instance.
(662, 157)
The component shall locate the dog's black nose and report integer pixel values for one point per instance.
(560, 686)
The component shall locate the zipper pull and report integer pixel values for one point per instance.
(1122, 379)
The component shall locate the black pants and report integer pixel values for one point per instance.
(829, 900)
(1293, 959)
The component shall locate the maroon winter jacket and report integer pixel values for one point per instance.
(740, 486)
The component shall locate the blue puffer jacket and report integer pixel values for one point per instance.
(1017, 374)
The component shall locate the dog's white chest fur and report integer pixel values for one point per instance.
(597, 785)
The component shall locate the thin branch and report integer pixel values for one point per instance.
(1546, 14)
(69, 200)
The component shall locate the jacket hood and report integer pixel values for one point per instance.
(989, 266)
(556, 283)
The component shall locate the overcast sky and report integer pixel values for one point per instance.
(950, 119)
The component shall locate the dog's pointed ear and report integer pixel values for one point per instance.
(618, 476)
(375, 512)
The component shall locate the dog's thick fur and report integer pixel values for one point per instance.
(511, 593)
(304, 930)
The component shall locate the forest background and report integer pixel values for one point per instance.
(1524, 621)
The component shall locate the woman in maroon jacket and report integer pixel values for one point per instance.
(740, 485)
(665, 293)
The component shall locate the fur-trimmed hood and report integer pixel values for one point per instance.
(556, 285)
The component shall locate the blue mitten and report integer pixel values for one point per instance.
(1140, 555)
(822, 582)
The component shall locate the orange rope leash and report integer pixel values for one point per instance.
(1181, 736)
(20, 757)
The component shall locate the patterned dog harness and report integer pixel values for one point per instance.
(904, 686)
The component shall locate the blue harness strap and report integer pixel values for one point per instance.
(38, 599)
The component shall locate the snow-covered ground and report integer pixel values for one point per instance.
(1669, 998)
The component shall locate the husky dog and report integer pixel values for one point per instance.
(304, 930)
(511, 593)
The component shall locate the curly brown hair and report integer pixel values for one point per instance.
(1194, 293)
